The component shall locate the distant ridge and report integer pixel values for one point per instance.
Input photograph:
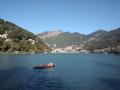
(99, 39)
(62, 39)
(49, 34)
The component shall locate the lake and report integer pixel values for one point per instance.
(72, 72)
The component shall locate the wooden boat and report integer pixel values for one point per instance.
(50, 65)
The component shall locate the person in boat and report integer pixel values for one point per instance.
(50, 64)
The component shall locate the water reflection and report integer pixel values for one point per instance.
(72, 72)
(112, 84)
(106, 64)
(24, 79)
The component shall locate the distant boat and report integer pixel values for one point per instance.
(49, 65)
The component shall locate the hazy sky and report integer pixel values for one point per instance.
(84, 16)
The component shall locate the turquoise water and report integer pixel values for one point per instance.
(72, 72)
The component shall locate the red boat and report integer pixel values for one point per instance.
(44, 66)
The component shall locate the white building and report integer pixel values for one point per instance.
(4, 36)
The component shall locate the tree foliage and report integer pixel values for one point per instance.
(18, 39)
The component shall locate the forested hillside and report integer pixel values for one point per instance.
(100, 39)
(14, 39)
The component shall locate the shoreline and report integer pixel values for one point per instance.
(29, 53)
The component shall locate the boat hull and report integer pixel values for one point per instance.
(43, 67)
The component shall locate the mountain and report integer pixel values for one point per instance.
(95, 38)
(63, 39)
(97, 34)
(104, 40)
(14, 39)
(49, 34)
(100, 39)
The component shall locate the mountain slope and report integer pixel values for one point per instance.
(65, 39)
(49, 34)
(16, 39)
(109, 39)
(99, 39)
(97, 34)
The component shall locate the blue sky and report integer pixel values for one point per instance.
(84, 16)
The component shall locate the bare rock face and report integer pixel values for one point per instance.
(49, 34)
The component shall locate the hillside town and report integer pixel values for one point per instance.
(80, 49)
(69, 49)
